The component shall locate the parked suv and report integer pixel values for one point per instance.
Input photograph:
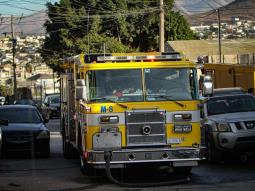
(229, 123)
(51, 106)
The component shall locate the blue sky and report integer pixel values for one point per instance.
(28, 7)
(17, 7)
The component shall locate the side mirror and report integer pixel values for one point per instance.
(81, 90)
(207, 86)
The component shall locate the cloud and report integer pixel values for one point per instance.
(199, 6)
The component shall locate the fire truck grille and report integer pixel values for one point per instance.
(146, 127)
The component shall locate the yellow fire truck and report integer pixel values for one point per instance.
(139, 108)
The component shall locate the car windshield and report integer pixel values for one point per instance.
(20, 115)
(54, 99)
(127, 85)
(230, 104)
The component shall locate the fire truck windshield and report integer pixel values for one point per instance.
(126, 85)
(172, 83)
(115, 85)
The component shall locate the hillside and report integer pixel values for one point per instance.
(239, 8)
(32, 24)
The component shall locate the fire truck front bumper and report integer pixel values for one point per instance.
(188, 156)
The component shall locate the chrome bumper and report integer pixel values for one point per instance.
(129, 156)
(235, 141)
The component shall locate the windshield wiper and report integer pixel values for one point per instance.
(169, 98)
(109, 100)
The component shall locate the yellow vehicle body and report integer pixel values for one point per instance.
(188, 139)
(147, 119)
(231, 75)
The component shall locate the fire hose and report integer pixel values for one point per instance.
(108, 156)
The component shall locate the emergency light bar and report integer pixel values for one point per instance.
(140, 58)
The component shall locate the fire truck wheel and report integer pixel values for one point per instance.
(213, 154)
(182, 170)
(86, 169)
(63, 132)
(69, 151)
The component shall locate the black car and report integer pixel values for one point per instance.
(23, 129)
(51, 106)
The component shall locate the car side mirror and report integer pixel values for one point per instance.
(207, 86)
(81, 90)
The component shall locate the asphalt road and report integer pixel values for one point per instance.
(59, 174)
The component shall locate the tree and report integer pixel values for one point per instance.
(94, 26)
(177, 28)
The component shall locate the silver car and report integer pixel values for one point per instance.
(229, 124)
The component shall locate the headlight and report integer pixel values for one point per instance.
(109, 119)
(182, 117)
(182, 128)
(43, 135)
(223, 127)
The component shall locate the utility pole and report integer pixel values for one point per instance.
(14, 42)
(161, 27)
(219, 32)
(88, 30)
(53, 75)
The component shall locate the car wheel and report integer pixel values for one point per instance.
(182, 170)
(213, 154)
(45, 153)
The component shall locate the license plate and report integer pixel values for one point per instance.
(174, 141)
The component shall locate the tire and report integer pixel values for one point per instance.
(46, 152)
(214, 155)
(182, 170)
(85, 168)
(68, 150)
(63, 132)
